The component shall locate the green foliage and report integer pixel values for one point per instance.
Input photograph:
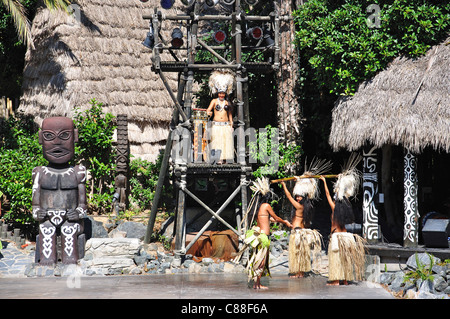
(12, 53)
(12, 47)
(20, 152)
(95, 151)
(273, 159)
(341, 49)
(144, 178)
(422, 272)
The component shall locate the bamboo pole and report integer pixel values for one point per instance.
(302, 176)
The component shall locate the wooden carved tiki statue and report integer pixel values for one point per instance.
(59, 194)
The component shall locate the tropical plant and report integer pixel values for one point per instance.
(144, 178)
(342, 48)
(19, 15)
(272, 158)
(95, 151)
(422, 272)
(20, 152)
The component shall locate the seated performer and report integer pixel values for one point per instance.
(59, 194)
(257, 237)
(346, 251)
(221, 82)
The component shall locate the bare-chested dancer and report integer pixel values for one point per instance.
(302, 239)
(257, 267)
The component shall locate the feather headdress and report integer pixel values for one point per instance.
(347, 183)
(308, 187)
(261, 186)
(221, 80)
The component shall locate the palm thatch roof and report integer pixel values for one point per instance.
(100, 57)
(407, 104)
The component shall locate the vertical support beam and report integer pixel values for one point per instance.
(411, 231)
(180, 230)
(164, 163)
(370, 190)
(240, 78)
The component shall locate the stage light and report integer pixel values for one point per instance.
(177, 38)
(167, 4)
(211, 3)
(220, 36)
(149, 41)
(251, 2)
(227, 2)
(144, 0)
(255, 33)
(188, 2)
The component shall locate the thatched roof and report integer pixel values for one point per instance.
(103, 58)
(408, 104)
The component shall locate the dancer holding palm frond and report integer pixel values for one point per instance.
(304, 240)
(346, 251)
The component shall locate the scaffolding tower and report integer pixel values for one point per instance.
(193, 174)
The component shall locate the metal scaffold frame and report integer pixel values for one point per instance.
(182, 165)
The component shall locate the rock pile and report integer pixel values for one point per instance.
(124, 253)
(433, 284)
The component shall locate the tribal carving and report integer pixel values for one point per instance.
(410, 234)
(59, 194)
(370, 190)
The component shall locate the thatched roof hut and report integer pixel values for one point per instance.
(408, 104)
(100, 56)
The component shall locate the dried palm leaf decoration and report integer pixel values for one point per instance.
(348, 181)
(308, 187)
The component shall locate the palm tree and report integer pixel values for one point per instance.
(21, 21)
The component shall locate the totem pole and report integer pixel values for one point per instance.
(59, 195)
(122, 164)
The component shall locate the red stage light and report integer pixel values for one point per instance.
(255, 33)
(220, 36)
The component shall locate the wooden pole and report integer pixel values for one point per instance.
(164, 165)
(302, 176)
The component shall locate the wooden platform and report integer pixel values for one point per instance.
(395, 251)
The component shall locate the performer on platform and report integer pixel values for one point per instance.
(346, 251)
(221, 132)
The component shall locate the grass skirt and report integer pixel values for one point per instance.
(258, 264)
(346, 257)
(222, 139)
(303, 242)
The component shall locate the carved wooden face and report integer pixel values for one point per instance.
(58, 137)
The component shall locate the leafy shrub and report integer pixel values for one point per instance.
(20, 152)
(423, 271)
(341, 49)
(273, 158)
(143, 180)
(95, 151)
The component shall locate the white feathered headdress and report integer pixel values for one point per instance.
(347, 183)
(221, 80)
(308, 187)
(261, 186)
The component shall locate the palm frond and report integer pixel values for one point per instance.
(57, 4)
(21, 22)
